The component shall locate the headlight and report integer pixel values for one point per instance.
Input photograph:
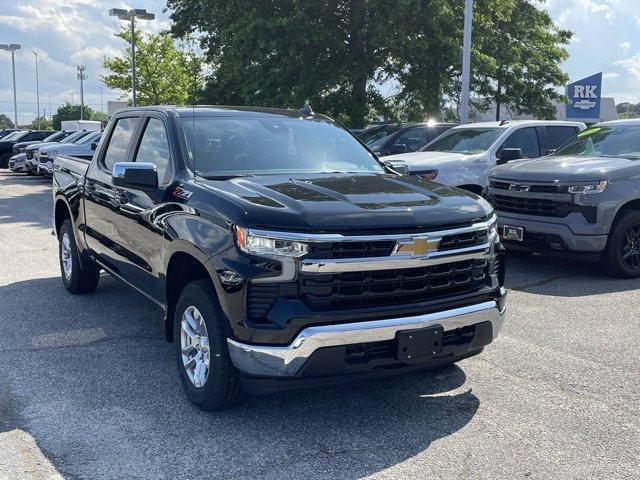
(589, 189)
(268, 244)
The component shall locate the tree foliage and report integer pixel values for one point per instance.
(45, 123)
(5, 121)
(165, 73)
(340, 55)
(70, 112)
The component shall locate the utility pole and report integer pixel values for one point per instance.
(37, 89)
(131, 15)
(12, 47)
(466, 62)
(101, 104)
(81, 77)
(50, 113)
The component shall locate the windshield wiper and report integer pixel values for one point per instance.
(225, 177)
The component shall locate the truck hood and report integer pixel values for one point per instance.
(335, 202)
(428, 160)
(562, 169)
(38, 145)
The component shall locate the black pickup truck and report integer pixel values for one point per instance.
(284, 254)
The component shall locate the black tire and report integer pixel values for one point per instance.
(29, 173)
(613, 260)
(4, 160)
(222, 389)
(85, 274)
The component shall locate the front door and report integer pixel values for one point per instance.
(140, 237)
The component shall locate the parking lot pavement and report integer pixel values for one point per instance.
(92, 380)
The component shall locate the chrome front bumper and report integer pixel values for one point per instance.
(286, 361)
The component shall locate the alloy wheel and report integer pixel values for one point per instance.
(630, 247)
(65, 256)
(194, 343)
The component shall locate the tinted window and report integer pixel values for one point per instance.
(605, 141)
(526, 139)
(556, 136)
(35, 136)
(413, 138)
(464, 140)
(224, 146)
(154, 147)
(119, 142)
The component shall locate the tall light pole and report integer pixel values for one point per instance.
(37, 89)
(131, 15)
(101, 104)
(50, 112)
(466, 61)
(12, 47)
(82, 77)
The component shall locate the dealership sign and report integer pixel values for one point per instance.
(584, 98)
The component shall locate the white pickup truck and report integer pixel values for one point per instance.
(463, 156)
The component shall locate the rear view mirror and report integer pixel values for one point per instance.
(398, 166)
(398, 148)
(136, 175)
(508, 154)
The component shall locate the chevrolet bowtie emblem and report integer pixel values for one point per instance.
(416, 247)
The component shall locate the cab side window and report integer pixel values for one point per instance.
(556, 136)
(525, 139)
(119, 142)
(413, 138)
(154, 148)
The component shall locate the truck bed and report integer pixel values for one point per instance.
(76, 165)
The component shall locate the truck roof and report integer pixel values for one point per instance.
(627, 121)
(217, 110)
(533, 123)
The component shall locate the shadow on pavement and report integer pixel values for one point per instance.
(93, 380)
(538, 274)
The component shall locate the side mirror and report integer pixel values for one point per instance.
(136, 175)
(398, 148)
(398, 166)
(94, 145)
(508, 154)
(551, 151)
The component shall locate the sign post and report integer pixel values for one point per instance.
(584, 99)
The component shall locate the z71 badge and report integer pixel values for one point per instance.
(182, 193)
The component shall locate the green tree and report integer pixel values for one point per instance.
(70, 112)
(45, 124)
(288, 53)
(165, 73)
(518, 56)
(5, 121)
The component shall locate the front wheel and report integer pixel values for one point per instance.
(207, 374)
(621, 256)
(78, 275)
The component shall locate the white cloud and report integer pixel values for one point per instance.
(631, 65)
(625, 46)
(610, 75)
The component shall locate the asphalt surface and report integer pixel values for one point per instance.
(92, 381)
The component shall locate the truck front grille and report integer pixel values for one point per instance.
(533, 188)
(29, 154)
(530, 206)
(371, 288)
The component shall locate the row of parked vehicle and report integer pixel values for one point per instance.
(33, 151)
(558, 187)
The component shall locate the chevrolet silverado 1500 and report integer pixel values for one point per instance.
(282, 251)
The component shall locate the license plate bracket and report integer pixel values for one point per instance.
(515, 234)
(419, 343)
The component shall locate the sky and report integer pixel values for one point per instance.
(67, 33)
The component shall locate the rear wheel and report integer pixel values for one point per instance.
(78, 275)
(621, 256)
(200, 337)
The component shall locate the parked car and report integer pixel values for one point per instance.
(583, 201)
(464, 155)
(283, 253)
(6, 144)
(375, 132)
(82, 148)
(32, 160)
(55, 137)
(6, 131)
(17, 163)
(408, 138)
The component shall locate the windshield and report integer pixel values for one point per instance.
(88, 138)
(379, 142)
(75, 136)
(604, 141)
(227, 147)
(10, 136)
(464, 140)
(55, 137)
(372, 134)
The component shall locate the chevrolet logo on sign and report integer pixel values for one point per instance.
(416, 246)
